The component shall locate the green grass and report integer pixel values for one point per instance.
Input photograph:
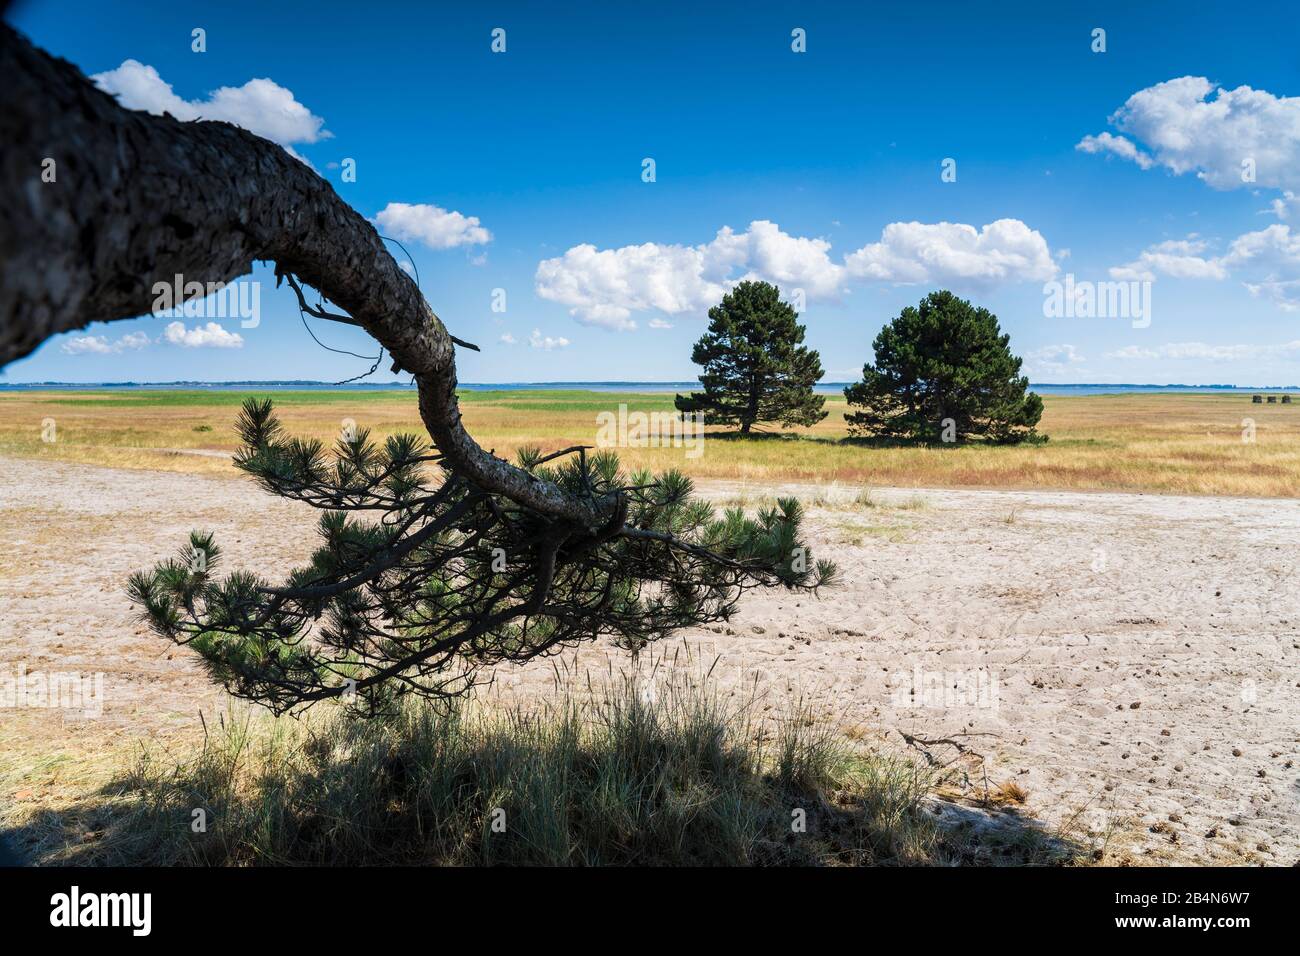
(570, 400)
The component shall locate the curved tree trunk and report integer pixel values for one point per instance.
(138, 199)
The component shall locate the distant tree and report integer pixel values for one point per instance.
(755, 369)
(944, 373)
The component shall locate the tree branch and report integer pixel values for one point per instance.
(139, 199)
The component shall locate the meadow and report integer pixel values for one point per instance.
(1168, 443)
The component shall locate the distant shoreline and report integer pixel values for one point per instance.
(825, 388)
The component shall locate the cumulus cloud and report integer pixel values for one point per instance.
(955, 253)
(1270, 261)
(606, 286)
(787, 260)
(434, 226)
(211, 335)
(88, 344)
(1177, 258)
(1275, 248)
(1190, 125)
(1205, 352)
(545, 342)
(1266, 261)
(660, 324)
(507, 339)
(1106, 143)
(260, 106)
(100, 345)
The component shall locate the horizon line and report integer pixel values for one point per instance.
(576, 383)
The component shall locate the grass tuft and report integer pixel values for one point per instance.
(624, 776)
(1009, 792)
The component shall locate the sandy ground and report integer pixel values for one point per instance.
(1129, 660)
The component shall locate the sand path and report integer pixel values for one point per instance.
(1135, 657)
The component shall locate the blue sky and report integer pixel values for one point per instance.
(522, 171)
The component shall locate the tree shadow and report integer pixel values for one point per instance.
(8, 854)
(123, 824)
(1006, 836)
(882, 442)
(781, 436)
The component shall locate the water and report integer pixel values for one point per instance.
(823, 388)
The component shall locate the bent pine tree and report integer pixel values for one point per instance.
(437, 558)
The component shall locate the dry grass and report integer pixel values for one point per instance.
(1009, 793)
(612, 777)
(1182, 444)
(1175, 443)
(856, 534)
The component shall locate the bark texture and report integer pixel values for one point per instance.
(138, 199)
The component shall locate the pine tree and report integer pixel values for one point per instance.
(944, 372)
(438, 559)
(755, 369)
(423, 580)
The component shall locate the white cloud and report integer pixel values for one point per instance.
(211, 335)
(99, 345)
(1177, 258)
(606, 286)
(1190, 125)
(508, 339)
(790, 261)
(660, 324)
(546, 343)
(1271, 259)
(1285, 294)
(260, 106)
(1052, 359)
(88, 344)
(434, 226)
(953, 252)
(85, 344)
(1106, 143)
(1214, 353)
(1283, 207)
(1274, 248)
(1267, 261)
